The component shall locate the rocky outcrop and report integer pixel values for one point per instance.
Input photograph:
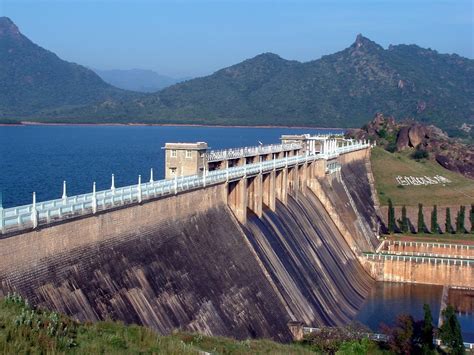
(450, 153)
(403, 140)
(416, 134)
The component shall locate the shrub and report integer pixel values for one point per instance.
(391, 147)
(420, 154)
(460, 220)
(427, 330)
(450, 331)
(421, 227)
(471, 218)
(330, 339)
(404, 227)
(448, 228)
(434, 220)
(401, 335)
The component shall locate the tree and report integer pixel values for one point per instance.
(460, 220)
(391, 216)
(421, 219)
(434, 220)
(448, 227)
(471, 218)
(404, 227)
(427, 330)
(401, 336)
(450, 331)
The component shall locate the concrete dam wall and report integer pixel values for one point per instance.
(179, 262)
(350, 199)
(185, 262)
(314, 269)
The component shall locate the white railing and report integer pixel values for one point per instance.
(422, 259)
(371, 336)
(235, 153)
(30, 216)
(333, 167)
(469, 346)
(428, 254)
(428, 244)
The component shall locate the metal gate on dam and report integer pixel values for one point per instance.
(235, 242)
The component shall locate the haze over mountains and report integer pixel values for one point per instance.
(344, 89)
(140, 80)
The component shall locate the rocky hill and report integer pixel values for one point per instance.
(424, 141)
(338, 90)
(34, 80)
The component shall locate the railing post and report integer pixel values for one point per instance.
(64, 197)
(139, 189)
(94, 199)
(34, 212)
(151, 175)
(112, 187)
(176, 184)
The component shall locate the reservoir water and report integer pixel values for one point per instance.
(388, 300)
(39, 158)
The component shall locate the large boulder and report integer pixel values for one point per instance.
(416, 134)
(435, 132)
(403, 141)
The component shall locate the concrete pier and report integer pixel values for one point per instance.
(269, 190)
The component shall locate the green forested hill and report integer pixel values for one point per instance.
(33, 80)
(343, 89)
(339, 90)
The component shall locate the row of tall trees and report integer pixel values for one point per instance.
(403, 224)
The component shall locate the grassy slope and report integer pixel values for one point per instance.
(386, 166)
(23, 330)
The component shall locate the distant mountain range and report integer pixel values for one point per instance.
(344, 89)
(140, 80)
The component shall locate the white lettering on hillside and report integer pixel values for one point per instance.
(421, 180)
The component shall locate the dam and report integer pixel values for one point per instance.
(235, 242)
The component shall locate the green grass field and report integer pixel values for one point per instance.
(387, 166)
(24, 330)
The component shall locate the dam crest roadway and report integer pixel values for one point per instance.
(240, 163)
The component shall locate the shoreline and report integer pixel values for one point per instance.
(34, 123)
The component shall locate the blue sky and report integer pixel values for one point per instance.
(193, 37)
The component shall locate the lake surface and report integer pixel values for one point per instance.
(39, 158)
(388, 300)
